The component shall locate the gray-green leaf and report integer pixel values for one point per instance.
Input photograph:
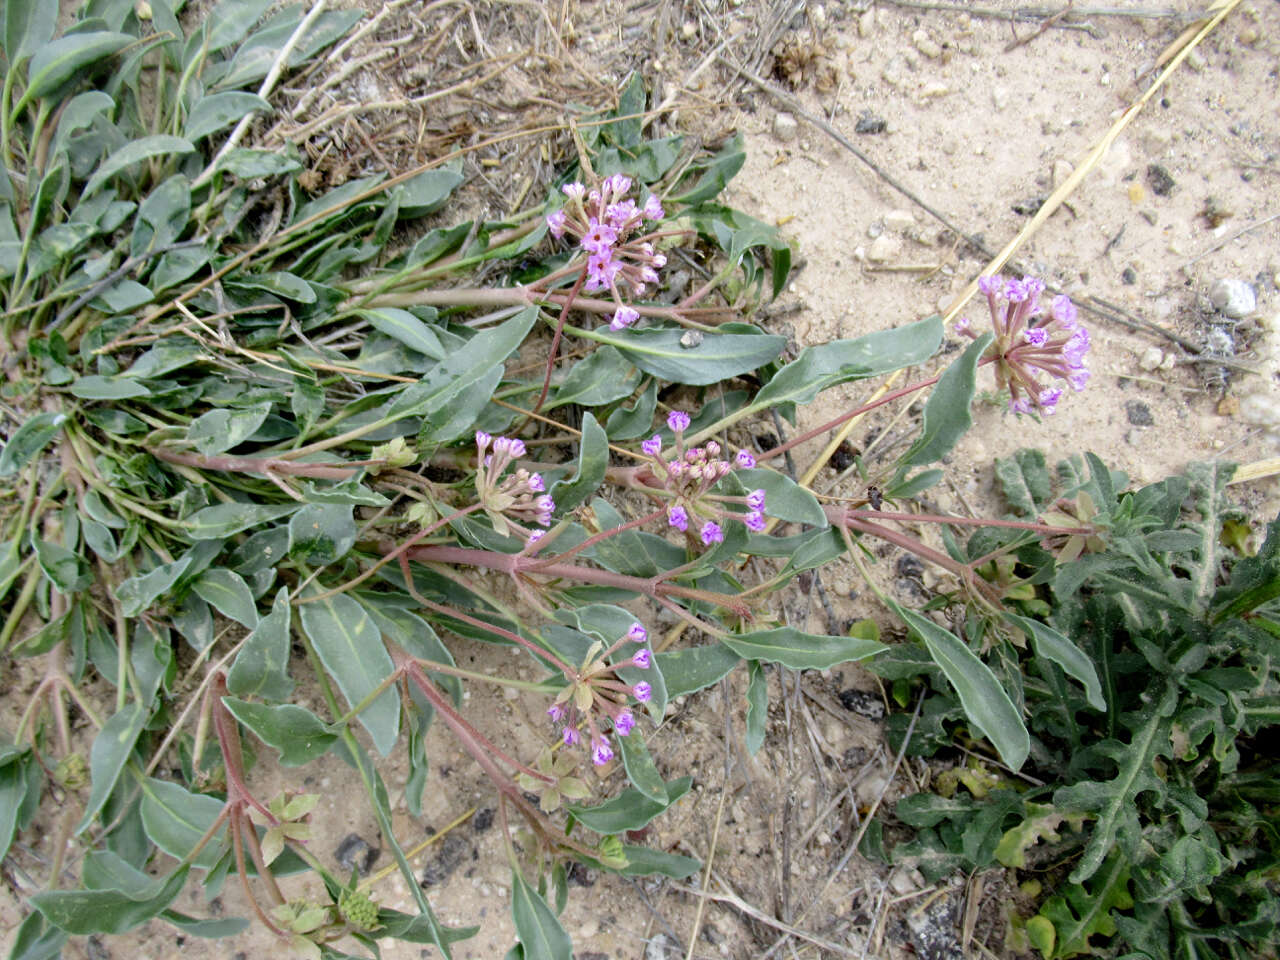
(801, 651)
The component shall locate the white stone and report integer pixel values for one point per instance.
(867, 22)
(869, 788)
(884, 248)
(900, 882)
(785, 127)
(1061, 170)
(818, 16)
(899, 220)
(1233, 298)
(934, 89)
(1261, 409)
(926, 44)
(1152, 357)
(999, 97)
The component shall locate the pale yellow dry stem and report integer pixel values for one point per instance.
(1174, 54)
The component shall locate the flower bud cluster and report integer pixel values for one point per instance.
(603, 223)
(520, 495)
(598, 697)
(689, 477)
(1028, 344)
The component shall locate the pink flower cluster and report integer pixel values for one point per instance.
(520, 495)
(689, 477)
(1028, 344)
(598, 696)
(603, 223)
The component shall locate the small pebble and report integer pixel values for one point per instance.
(356, 852)
(867, 22)
(785, 127)
(868, 122)
(1152, 357)
(662, 947)
(933, 90)
(883, 248)
(926, 44)
(1159, 179)
(899, 220)
(1129, 276)
(1138, 414)
(1233, 298)
(999, 97)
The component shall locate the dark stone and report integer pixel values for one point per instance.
(580, 876)
(1129, 276)
(94, 950)
(908, 566)
(932, 933)
(592, 955)
(767, 441)
(870, 123)
(861, 703)
(483, 820)
(1139, 413)
(844, 456)
(450, 855)
(712, 935)
(355, 852)
(1029, 206)
(1161, 182)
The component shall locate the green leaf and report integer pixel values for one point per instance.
(28, 26)
(227, 592)
(719, 356)
(784, 498)
(231, 20)
(405, 327)
(641, 772)
(261, 667)
(445, 381)
(65, 570)
(350, 647)
(629, 810)
(1041, 823)
(427, 192)
(250, 164)
(757, 707)
(839, 361)
(217, 110)
(19, 774)
(106, 911)
(593, 460)
(537, 928)
(409, 631)
(624, 424)
(694, 669)
(224, 519)
(1024, 481)
(946, 414)
(1057, 647)
(139, 592)
(454, 420)
(646, 862)
(213, 928)
(54, 63)
(111, 749)
(296, 732)
(156, 145)
(1078, 914)
(94, 387)
(1254, 581)
(801, 651)
(175, 819)
(28, 440)
(1114, 801)
(602, 378)
(160, 220)
(984, 699)
(321, 533)
(280, 283)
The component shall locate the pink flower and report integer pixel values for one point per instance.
(623, 318)
(678, 421)
(652, 446)
(637, 633)
(745, 460)
(711, 533)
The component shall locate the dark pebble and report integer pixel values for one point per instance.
(593, 955)
(355, 852)
(483, 820)
(861, 703)
(1030, 206)
(1161, 182)
(870, 123)
(94, 950)
(712, 935)
(908, 566)
(1139, 413)
(767, 441)
(450, 855)
(580, 876)
(1129, 276)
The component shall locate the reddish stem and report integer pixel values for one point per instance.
(263, 465)
(960, 521)
(555, 340)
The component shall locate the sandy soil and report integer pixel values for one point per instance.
(979, 132)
